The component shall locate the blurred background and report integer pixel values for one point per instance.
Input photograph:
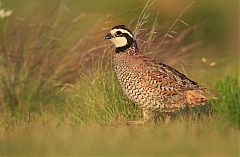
(56, 70)
(219, 20)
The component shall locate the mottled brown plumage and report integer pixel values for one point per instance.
(155, 87)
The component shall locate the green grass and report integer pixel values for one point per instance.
(100, 99)
(227, 106)
(92, 123)
(174, 140)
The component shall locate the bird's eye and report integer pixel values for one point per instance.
(118, 33)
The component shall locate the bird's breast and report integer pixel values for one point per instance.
(129, 71)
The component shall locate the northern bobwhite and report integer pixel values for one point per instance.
(155, 87)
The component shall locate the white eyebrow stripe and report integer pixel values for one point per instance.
(122, 30)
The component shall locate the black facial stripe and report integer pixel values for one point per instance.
(130, 42)
(129, 38)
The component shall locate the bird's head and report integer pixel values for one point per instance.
(122, 38)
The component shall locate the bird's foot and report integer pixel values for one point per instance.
(137, 122)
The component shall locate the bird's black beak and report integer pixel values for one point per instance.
(108, 36)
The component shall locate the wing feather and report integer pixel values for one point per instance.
(164, 77)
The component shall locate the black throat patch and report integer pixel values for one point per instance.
(130, 43)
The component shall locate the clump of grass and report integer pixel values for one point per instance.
(36, 59)
(99, 98)
(227, 106)
(30, 64)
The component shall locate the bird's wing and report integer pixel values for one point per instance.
(164, 77)
(180, 79)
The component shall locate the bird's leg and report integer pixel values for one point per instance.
(167, 118)
(146, 116)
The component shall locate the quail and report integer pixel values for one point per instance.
(154, 87)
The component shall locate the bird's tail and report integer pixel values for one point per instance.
(196, 97)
